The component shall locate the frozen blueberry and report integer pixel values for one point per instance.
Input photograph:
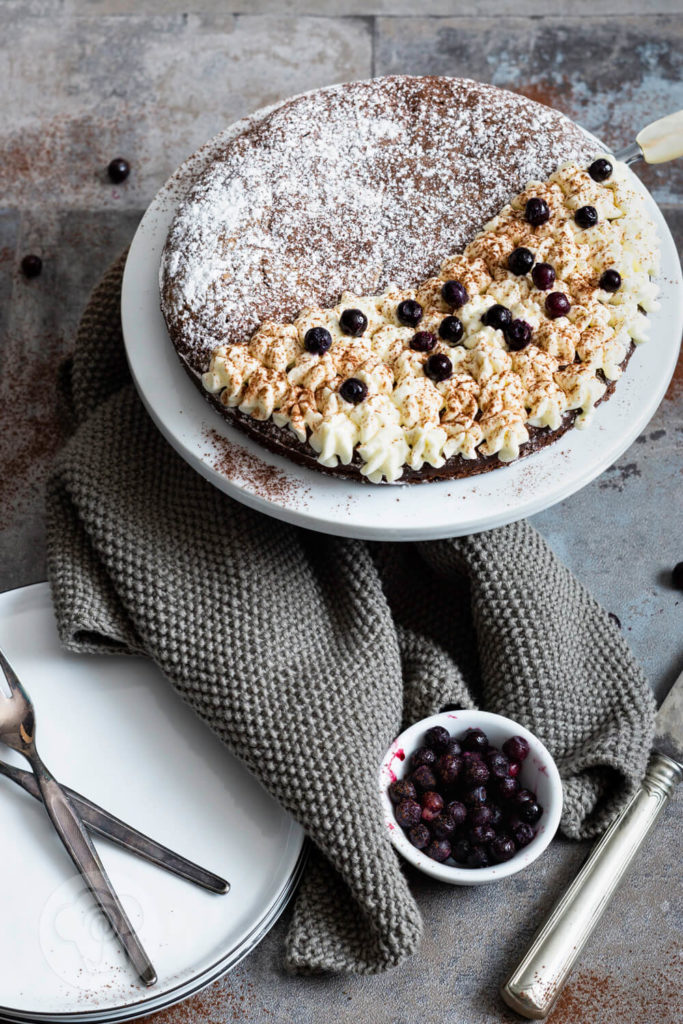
(408, 813)
(423, 777)
(518, 335)
(498, 763)
(437, 738)
(478, 858)
(677, 575)
(443, 827)
(438, 367)
(475, 796)
(481, 834)
(610, 281)
(423, 755)
(402, 789)
(543, 276)
(600, 170)
(481, 815)
(520, 261)
(454, 294)
(496, 815)
(522, 795)
(317, 340)
(586, 217)
(454, 747)
(461, 850)
(507, 788)
(353, 322)
(516, 748)
(497, 316)
(353, 390)
(537, 212)
(439, 850)
(118, 170)
(475, 740)
(502, 849)
(530, 811)
(457, 811)
(423, 341)
(448, 768)
(31, 265)
(523, 834)
(409, 312)
(420, 836)
(557, 304)
(476, 773)
(432, 805)
(451, 330)
(514, 769)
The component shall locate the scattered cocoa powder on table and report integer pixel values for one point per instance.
(590, 997)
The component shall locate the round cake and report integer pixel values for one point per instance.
(404, 279)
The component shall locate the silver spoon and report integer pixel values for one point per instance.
(17, 730)
(657, 143)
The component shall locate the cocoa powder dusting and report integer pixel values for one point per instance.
(228, 1000)
(29, 428)
(269, 482)
(591, 997)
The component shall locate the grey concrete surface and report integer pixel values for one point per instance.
(82, 81)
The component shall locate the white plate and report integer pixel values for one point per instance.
(248, 472)
(113, 729)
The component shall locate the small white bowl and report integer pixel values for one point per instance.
(539, 774)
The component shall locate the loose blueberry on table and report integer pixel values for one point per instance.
(31, 265)
(461, 799)
(118, 170)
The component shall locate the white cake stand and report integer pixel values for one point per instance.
(268, 483)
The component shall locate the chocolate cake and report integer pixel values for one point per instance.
(335, 284)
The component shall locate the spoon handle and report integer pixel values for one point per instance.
(656, 143)
(72, 832)
(663, 139)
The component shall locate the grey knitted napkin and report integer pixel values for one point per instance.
(306, 653)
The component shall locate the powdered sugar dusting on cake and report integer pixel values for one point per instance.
(348, 188)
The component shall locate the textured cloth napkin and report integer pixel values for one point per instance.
(307, 653)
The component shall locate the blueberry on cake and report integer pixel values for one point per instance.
(409, 279)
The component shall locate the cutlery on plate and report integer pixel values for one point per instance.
(535, 984)
(17, 730)
(657, 143)
(107, 825)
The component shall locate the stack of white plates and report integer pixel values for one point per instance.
(113, 729)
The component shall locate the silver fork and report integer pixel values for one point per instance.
(17, 730)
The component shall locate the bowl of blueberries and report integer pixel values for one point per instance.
(469, 796)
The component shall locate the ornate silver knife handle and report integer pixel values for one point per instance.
(535, 984)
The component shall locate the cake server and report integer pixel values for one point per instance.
(535, 984)
(107, 825)
(657, 143)
(17, 730)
